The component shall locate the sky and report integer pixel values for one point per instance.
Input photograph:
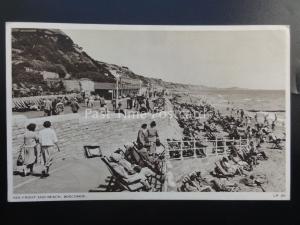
(254, 59)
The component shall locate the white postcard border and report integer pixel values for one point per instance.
(141, 195)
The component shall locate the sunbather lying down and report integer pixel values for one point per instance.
(223, 185)
(227, 168)
(128, 171)
(194, 182)
(255, 180)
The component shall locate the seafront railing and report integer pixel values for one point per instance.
(186, 149)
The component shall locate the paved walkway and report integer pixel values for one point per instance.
(66, 176)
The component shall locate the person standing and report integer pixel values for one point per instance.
(47, 107)
(242, 113)
(256, 118)
(54, 103)
(113, 102)
(153, 137)
(47, 139)
(86, 101)
(142, 137)
(148, 105)
(102, 104)
(30, 149)
(119, 109)
(91, 101)
(74, 106)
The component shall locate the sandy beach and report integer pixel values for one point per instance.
(273, 168)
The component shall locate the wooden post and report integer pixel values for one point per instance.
(216, 146)
(194, 150)
(181, 155)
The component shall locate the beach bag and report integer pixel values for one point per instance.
(92, 151)
(21, 159)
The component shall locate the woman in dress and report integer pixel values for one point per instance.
(30, 149)
(47, 139)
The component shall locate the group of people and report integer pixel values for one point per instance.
(189, 116)
(128, 171)
(148, 139)
(236, 125)
(141, 160)
(240, 125)
(144, 104)
(195, 182)
(37, 148)
(186, 147)
(90, 102)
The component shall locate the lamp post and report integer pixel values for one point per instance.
(117, 88)
(140, 87)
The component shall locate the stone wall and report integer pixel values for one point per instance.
(75, 130)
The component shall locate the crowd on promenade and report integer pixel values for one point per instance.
(55, 105)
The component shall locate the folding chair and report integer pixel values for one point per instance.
(117, 182)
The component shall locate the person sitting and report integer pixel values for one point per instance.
(139, 156)
(234, 133)
(187, 186)
(129, 172)
(230, 167)
(275, 140)
(255, 154)
(248, 132)
(234, 157)
(233, 150)
(206, 128)
(199, 183)
(160, 148)
(265, 130)
(223, 185)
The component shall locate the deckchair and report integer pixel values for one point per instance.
(220, 171)
(117, 182)
(146, 162)
(157, 167)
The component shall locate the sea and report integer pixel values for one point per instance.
(252, 101)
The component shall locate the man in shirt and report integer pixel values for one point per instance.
(47, 140)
